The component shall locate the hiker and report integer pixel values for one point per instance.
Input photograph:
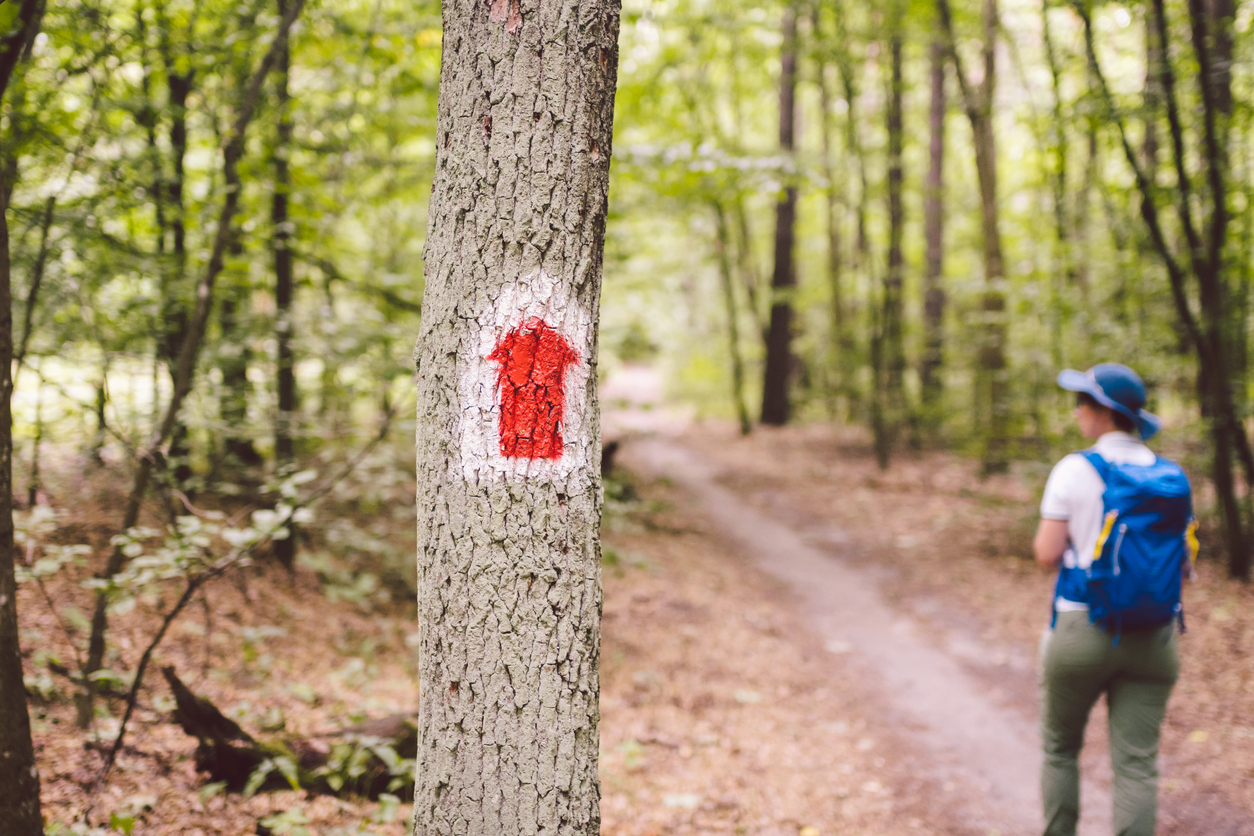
(1117, 522)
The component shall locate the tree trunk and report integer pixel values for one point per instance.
(776, 408)
(978, 103)
(1064, 262)
(1082, 255)
(234, 356)
(285, 378)
(19, 776)
(861, 260)
(34, 486)
(508, 428)
(723, 244)
(746, 266)
(175, 301)
(36, 280)
(841, 343)
(102, 426)
(893, 391)
(931, 384)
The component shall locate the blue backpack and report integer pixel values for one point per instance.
(1148, 532)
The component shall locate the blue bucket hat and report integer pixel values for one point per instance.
(1116, 387)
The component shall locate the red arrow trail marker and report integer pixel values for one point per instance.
(531, 380)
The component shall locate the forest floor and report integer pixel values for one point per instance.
(727, 706)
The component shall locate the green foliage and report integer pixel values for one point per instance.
(287, 823)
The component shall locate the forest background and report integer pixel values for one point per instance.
(905, 215)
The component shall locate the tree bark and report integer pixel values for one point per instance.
(176, 304)
(1064, 263)
(723, 245)
(931, 384)
(234, 356)
(893, 348)
(508, 429)
(776, 407)
(36, 280)
(285, 377)
(19, 776)
(860, 261)
(978, 103)
(841, 341)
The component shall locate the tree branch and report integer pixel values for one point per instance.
(1149, 208)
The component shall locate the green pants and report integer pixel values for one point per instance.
(1081, 662)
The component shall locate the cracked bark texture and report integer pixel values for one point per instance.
(509, 592)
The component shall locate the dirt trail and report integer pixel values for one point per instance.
(974, 742)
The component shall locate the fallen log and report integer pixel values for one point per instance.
(367, 759)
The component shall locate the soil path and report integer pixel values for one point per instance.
(972, 741)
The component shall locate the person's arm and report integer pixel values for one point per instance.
(1050, 542)
(1053, 535)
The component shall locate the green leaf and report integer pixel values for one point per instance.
(288, 768)
(209, 791)
(123, 823)
(76, 618)
(258, 777)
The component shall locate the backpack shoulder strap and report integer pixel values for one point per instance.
(1102, 466)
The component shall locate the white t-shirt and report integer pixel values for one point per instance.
(1074, 493)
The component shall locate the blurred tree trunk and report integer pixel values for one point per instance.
(747, 268)
(36, 281)
(841, 342)
(776, 407)
(723, 244)
(34, 487)
(175, 300)
(508, 509)
(285, 378)
(978, 102)
(860, 262)
(1064, 263)
(1081, 237)
(234, 356)
(19, 777)
(931, 384)
(102, 427)
(893, 391)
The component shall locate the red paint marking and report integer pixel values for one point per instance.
(532, 382)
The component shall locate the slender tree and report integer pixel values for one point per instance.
(892, 317)
(19, 776)
(842, 348)
(930, 382)
(508, 439)
(726, 276)
(776, 405)
(285, 376)
(1064, 264)
(977, 100)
